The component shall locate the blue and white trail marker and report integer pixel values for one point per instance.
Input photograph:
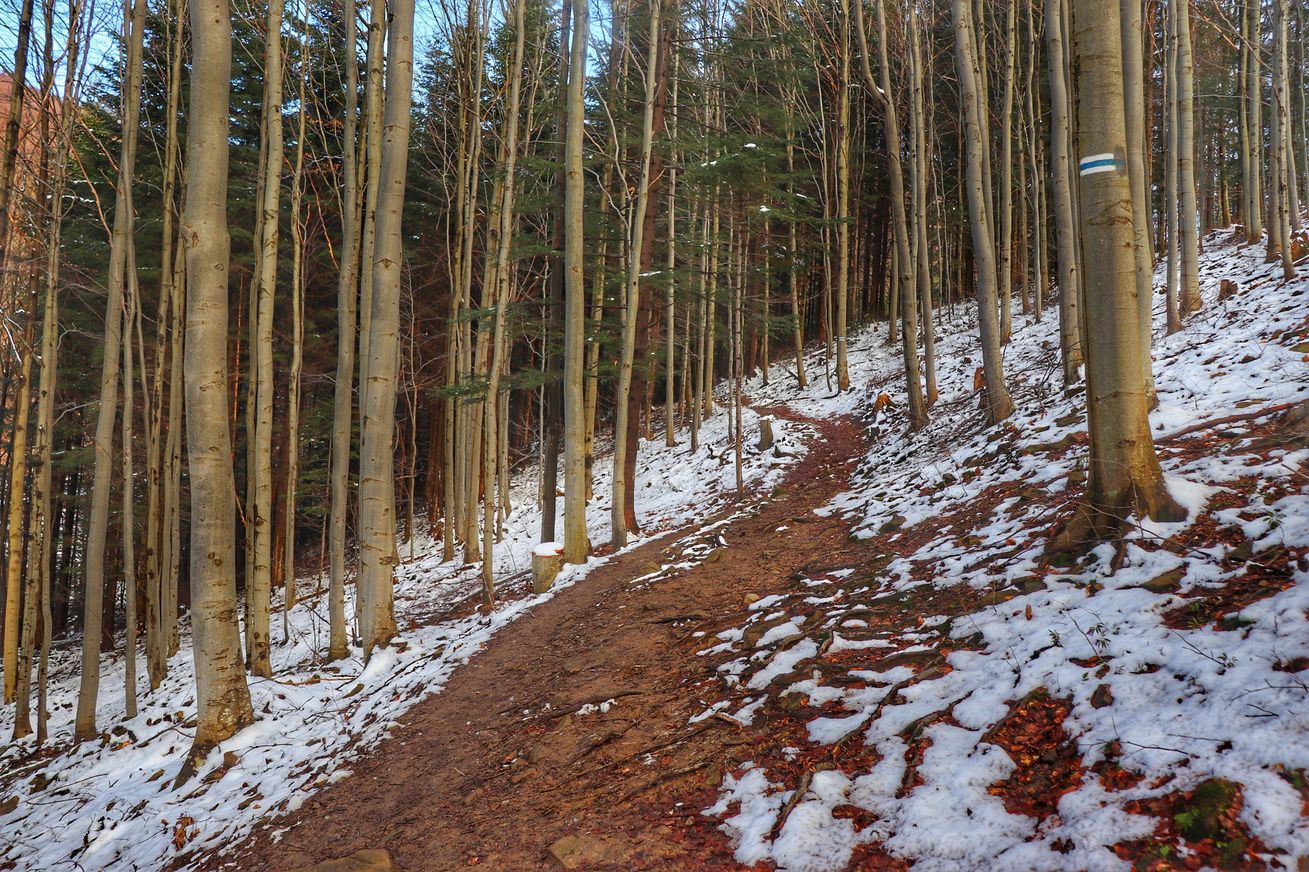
(1098, 163)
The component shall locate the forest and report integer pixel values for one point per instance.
(796, 434)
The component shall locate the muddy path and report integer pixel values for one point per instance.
(501, 766)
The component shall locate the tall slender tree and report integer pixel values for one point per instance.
(120, 258)
(1133, 48)
(576, 545)
(222, 697)
(260, 514)
(347, 290)
(1070, 279)
(621, 512)
(1188, 231)
(1283, 161)
(996, 403)
(377, 550)
(906, 267)
(1124, 471)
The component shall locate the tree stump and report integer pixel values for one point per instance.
(547, 563)
(765, 433)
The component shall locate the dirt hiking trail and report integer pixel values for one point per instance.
(501, 771)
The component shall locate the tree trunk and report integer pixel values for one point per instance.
(1070, 289)
(1006, 238)
(576, 544)
(259, 583)
(996, 403)
(1134, 116)
(632, 293)
(552, 406)
(222, 697)
(346, 296)
(1189, 234)
(120, 257)
(1124, 470)
(842, 289)
(1171, 301)
(41, 522)
(159, 532)
(297, 341)
(502, 287)
(13, 123)
(670, 299)
(16, 525)
(1040, 239)
(376, 497)
(1283, 172)
(127, 519)
(1254, 110)
(907, 288)
(921, 183)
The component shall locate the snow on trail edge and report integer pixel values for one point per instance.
(962, 514)
(111, 805)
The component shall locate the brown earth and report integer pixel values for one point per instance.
(499, 767)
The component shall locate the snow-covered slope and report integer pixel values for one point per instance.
(111, 804)
(954, 702)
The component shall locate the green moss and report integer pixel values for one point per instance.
(1200, 818)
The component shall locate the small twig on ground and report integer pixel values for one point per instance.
(603, 739)
(660, 779)
(650, 749)
(801, 787)
(673, 619)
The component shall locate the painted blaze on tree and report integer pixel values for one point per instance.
(1124, 474)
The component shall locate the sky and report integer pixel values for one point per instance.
(106, 18)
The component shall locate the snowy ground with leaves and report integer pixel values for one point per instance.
(111, 804)
(954, 702)
(947, 701)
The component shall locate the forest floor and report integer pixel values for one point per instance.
(571, 729)
(869, 660)
(876, 663)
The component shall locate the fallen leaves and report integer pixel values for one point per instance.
(184, 831)
(1048, 762)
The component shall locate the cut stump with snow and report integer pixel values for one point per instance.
(547, 563)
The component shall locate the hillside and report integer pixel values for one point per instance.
(899, 659)
(602, 435)
(951, 695)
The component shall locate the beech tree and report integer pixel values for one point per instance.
(377, 551)
(906, 265)
(1124, 472)
(1283, 158)
(9, 147)
(121, 260)
(1184, 95)
(222, 697)
(263, 294)
(996, 401)
(1069, 275)
(623, 512)
(576, 544)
